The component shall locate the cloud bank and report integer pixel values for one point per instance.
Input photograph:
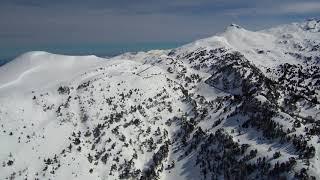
(32, 22)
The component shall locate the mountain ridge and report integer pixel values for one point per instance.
(237, 105)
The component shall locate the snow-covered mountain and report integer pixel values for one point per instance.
(238, 105)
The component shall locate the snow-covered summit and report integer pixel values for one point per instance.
(238, 105)
(233, 27)
(38, 69)
(312, 25)
(266, 48)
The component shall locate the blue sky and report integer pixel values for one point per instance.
(57, 24)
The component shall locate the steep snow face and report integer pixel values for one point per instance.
(240, 104)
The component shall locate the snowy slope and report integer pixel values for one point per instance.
(237, 105)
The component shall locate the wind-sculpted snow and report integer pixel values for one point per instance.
(238, 105)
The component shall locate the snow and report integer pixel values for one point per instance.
(37, 121)
(42, 69)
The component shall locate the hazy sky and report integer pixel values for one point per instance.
(47, 22)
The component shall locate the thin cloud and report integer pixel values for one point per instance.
(288, 8)
(301, 7)
(82, 21)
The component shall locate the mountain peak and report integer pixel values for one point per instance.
(312, 25)
(233, 25)
(238, 104)
(313, 19)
